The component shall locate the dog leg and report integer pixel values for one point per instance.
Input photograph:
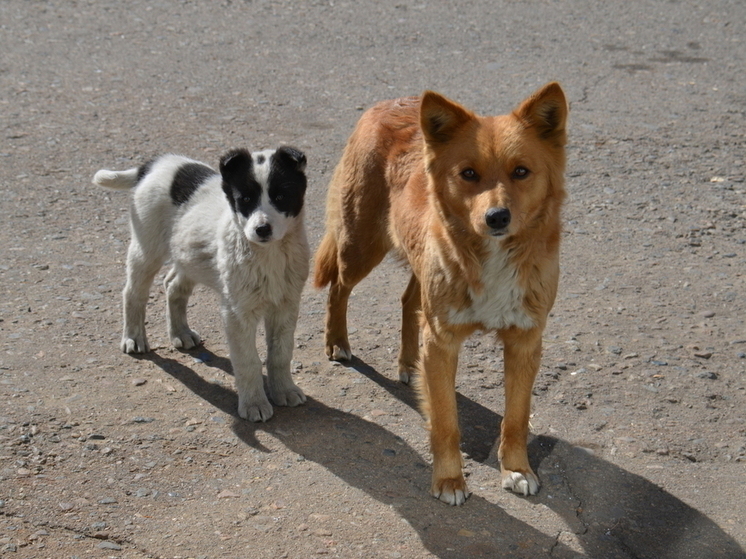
(438, 387)
(280, 327)
(410, 331)
(247, 367)
(178, 289)
(141, 270)
(336, 341)
(522, 351)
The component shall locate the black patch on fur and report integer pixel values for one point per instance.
(144, 170)
(287, 180)
(239, 183)
(187, 180)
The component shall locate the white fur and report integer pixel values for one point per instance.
(210, 244)
(500, 303)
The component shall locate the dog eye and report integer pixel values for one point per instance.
(520, 173)
(469, 175)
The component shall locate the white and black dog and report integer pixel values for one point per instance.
(239, 232)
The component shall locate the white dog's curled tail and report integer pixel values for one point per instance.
(118, 180)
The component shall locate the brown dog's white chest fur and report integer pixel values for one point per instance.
(499, 303)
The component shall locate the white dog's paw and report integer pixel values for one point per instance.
(258, 410)
(135, 344)
(290, 397)
(185, 339)
(524, 483)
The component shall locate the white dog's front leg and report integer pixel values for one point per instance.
(178, 290)
(247, 367)
(280, 326)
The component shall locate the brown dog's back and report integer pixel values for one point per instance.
(377, 160)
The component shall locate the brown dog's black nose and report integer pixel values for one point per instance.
(497, 218)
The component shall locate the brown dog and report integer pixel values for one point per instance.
(473, 204)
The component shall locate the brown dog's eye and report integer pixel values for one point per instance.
(469, 175)
(520, 173)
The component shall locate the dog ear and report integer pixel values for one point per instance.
(546, 110)
(441, 117)
(292, 157)
(235, 164)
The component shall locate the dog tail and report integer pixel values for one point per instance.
(117, 180)
(326, 268)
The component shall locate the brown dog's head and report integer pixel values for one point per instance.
(500, 176)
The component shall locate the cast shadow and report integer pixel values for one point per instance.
(612, 513)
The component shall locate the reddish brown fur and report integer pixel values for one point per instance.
(405, 182)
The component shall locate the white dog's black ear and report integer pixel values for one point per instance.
(235, 163)
(292, 157)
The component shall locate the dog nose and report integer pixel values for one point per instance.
(497, 218)
(264, 231)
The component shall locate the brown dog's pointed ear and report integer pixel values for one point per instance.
(440, 117)
(546, 110)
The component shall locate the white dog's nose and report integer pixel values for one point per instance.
(264, 231)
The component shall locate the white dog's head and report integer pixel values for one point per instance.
(265, 190)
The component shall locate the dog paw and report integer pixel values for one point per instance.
(524, 483)
(255, 411)
(452, 491)
(186, 339)
(289, 397)
(137, 344)
(406, 375)
(337, 353)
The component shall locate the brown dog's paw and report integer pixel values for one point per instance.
(524, 483)
(452, 491)
(336, 352)
(406, 374)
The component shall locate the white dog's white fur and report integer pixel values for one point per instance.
(223, 230)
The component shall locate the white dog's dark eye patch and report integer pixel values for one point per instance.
(287, 181)
(239, 183)
(247, 197)
(187, 179)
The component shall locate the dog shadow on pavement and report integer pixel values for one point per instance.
(612, 513)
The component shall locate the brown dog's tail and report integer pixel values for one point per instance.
(325, 268)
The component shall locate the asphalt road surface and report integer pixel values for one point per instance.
(639, 411)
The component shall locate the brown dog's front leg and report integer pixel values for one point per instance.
(522, 351)
(438, 387)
